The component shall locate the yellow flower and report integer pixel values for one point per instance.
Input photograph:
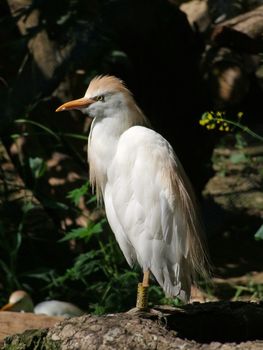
(212, 120)
(240, 115)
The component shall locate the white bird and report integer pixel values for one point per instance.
(148, 199)
(21, 301)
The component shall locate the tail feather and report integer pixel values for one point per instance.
(188, 215)
(175, 281)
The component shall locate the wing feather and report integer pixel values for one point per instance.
(154, 206)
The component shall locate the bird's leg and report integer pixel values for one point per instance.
(146, 276)
(142, 292)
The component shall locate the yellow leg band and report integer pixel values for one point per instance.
(142, 297)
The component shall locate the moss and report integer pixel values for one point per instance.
(30, 340)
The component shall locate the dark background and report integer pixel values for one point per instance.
(178, 69)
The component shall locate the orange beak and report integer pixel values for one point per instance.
(7, 307)
(75, 104)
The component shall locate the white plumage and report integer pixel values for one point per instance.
(149, 202)
(58, 308)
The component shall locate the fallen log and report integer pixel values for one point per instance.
(18, 322)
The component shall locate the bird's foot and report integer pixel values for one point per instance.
(135, 311)
(150, 313)
(142, 312)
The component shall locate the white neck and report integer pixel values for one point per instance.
(103, 141)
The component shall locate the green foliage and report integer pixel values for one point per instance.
(240, 140)
(85, 233)
(253, 290)
(259, 234)
(103, 282)
(76, 194)
(38, 167)
(39, 125)
(238, 157)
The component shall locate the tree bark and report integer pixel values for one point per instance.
(210, 326)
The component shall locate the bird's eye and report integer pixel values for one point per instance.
(99, 98)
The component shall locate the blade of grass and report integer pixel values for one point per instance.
(41, 126)
(75, 136)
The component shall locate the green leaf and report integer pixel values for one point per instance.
(52, 204)
(27, 206)
(75, 195)
(41, 274)
(259, 234)
(74, 136)
(84, 232)
(41, 126)
(240, 141)
(5, 267)
(37, 166)
(91, 200)
(17, 243)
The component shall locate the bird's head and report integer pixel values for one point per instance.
(104, 96)
(19, 301)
